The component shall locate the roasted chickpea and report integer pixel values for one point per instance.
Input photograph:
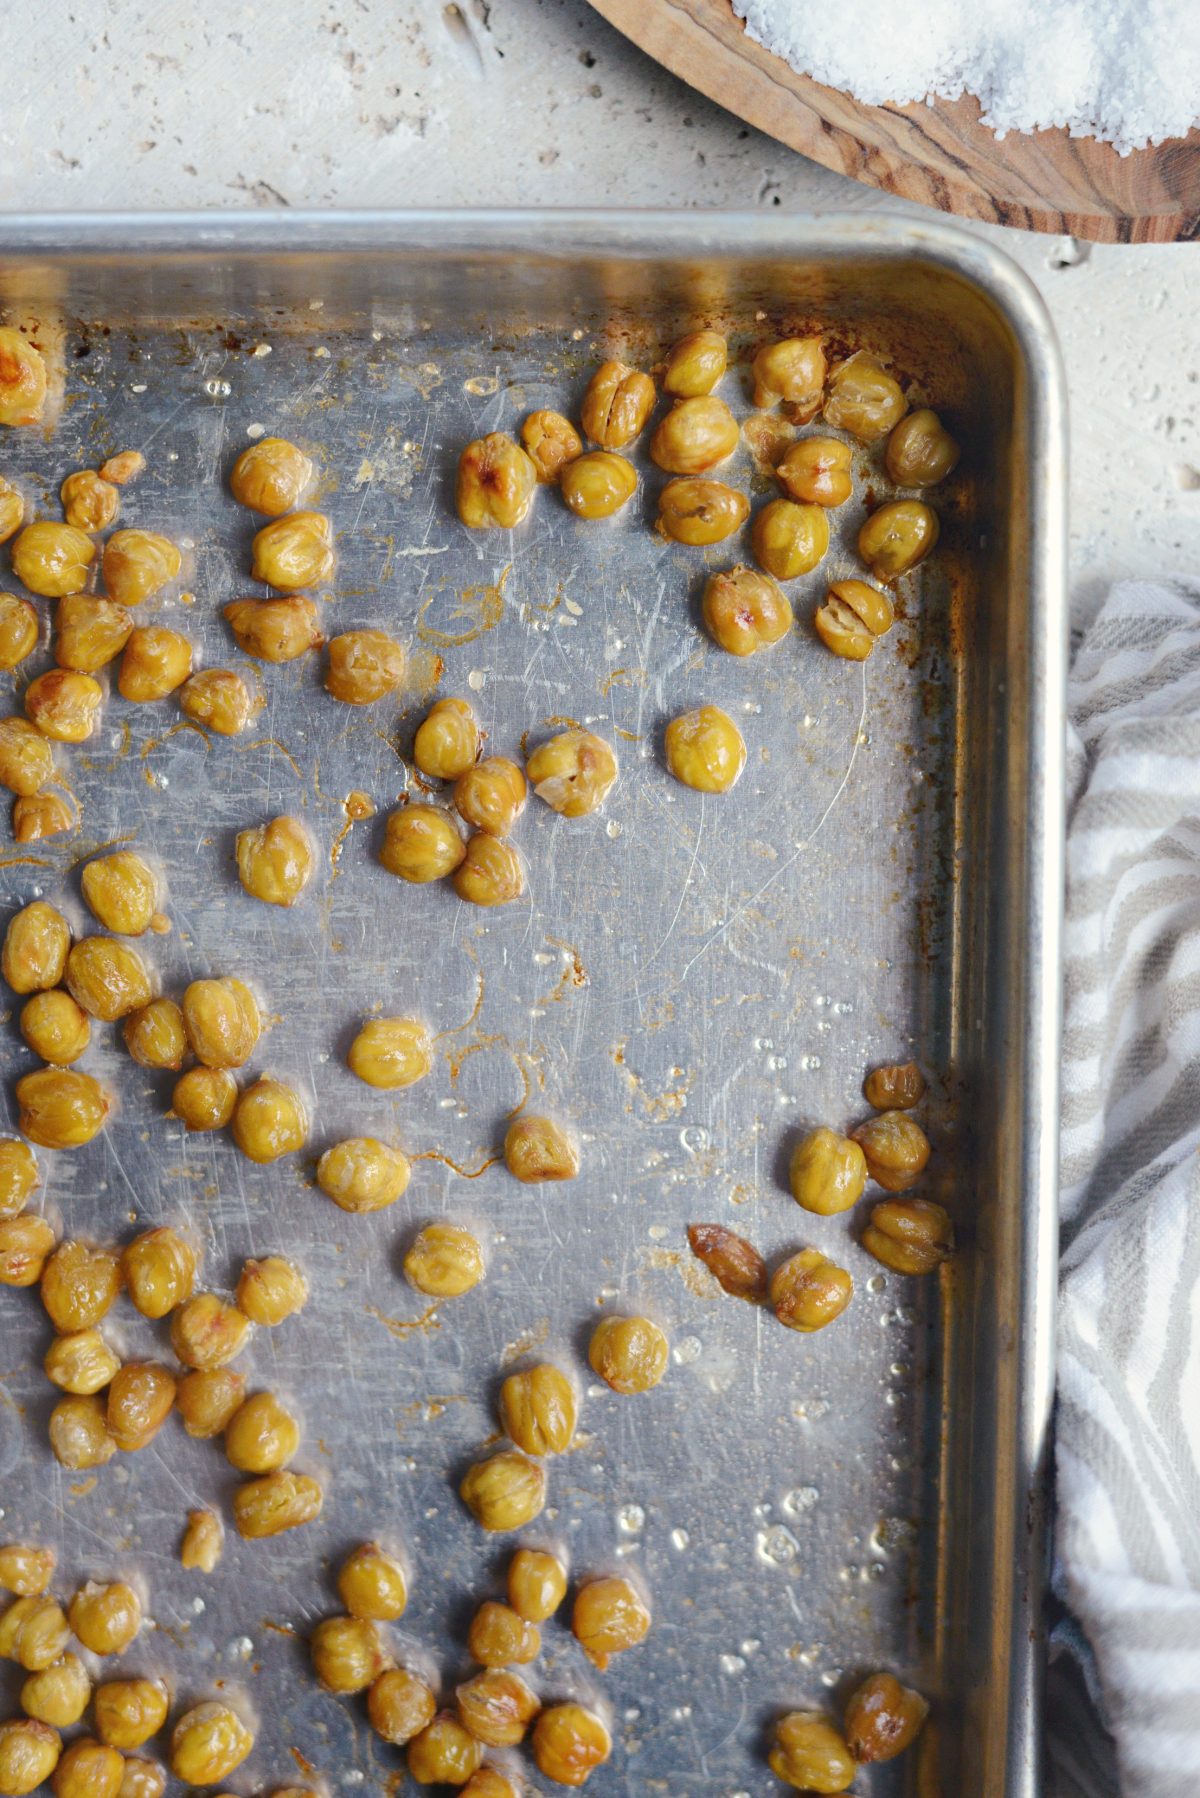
(598, 483)
(792, 370)
(572, 772)
(896, 1086)
(122, 468)
(816, 471)
(808, 1291)
(444, 1261)
(275, 630)
(828, 1172)
(25, 1243)
(863, 399)
(129, 1711)
(271, 476)
(207, 1333)
(491, 795)
(89, 502)
(271, 1290)
(618, 401)
(490, 1782)
(207, 1743)
(277, 1502)
(262, 1435)
(121, 893)
(107, 978)
(52, 559)
(628, 1353)
(293, 552)
(609, 1616)
(550, 441)
(391, 1053)
(537, 1584)
(142, 1779)
(538, 1410)
(33, 1632)
(883, 1718)
(204, 1098)
(218, 699)
(911, 1236)
(12, 510)
(90, 632)
(19, 630)
(733, 1262)
(851, 619)
(23, 384)
(79, 1435)
(140, 1400)
(18, 1175)
(348, 1653)
(59, 1694)
(695, 364)
(81, 1363)
(363, 1174)
(275, 860)
(55, 1027)
(896, 537)
(222, 1022)
(106, 1616)
(26, 1569)
(497, 1707)
(444, 1752)
(204, 1537)
(920, 451)
(569, 1743)
(39, 815)
(29, 1750)
(745, 611)
(808, 1753)
(400, 1706)
(498, 1636)
(490, 872)
(372, 1584)
(705, 749)
(537, 1149)
(26, 759)
(896, 1150)
(447, 740)
(155, 1036)
(363, 666)
(61, 1108)
(700, 512)
(207, 1398)
(505, 1492)
(421, 843)
(80, 1285)
(153, 663)
(496, 483)
(789, 539)
(34, 957)
(138, 564)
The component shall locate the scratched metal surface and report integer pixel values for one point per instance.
(688, 981)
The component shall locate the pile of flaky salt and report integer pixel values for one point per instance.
(1124, 71)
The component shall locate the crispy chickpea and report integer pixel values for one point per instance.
(400, 1705)
(121, 892)
(204, 1098)
(33, 1632)
(896, 537)
(12, 510)
(271, 1290)
(18, 1175)
(391, 1052)
(920, 451)
(363, 666)
(699, 512)
(262, 1435)
(79, 1435)
(883, 1718)
(808, 1291)
(106, 1616)
(39, 815)
(498, 1636)
(569, 1743)
(80, 1285)
(293, 552)
(827, 1172)
(550, 441)
(142, 1779)
(896, 1086)
(573, 772)
(896, 1150)
(138, 564)
(207, 1398)
(447, 740)
(491, 795)
(25, 1244)
(695, 364)
(81, 1363)
(107, 978)
(789, 539)
(537, 1584)
(348, 1653)
(733, 1262)
(26, 1569)
(29, 1750)
(208, 1333)
(628, 1353)
(537, 1149)
(497, 1707)
(745, 611)
(444, 1752)
(538, 1410)
(792, 370)
(61, 1108)
(490, 1782)
(608, 1617)
(490, 872)
(207, 1743)
(618, 401)
(372, 1584)
(598, 483)
(705, 749)
(863, 399)
(851, 619)
(19, 630)
(816, 471)
(140, 1400)
(154, 1035)
(222, 1022)
(34, 957)
(363, 1174)
(160, 1270)
(421, 843)
(496, 483)
(695, 435)
(203, 1539)
(153, 663)
(59, 1694)
(26, 759)
(52, 559)
(444, 1261)
(122, 468)
(275, 630)
(55, 1027)
(129, 1711)
(911, 1236)
(275, 860)
(277, 1502)
(90, 632)
(218, 699)
(504, 1492)
(23, 384)
(808, 1753)
(270, 476)
(89, 502)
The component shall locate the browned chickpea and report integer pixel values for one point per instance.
(827, 1173)
(80, 1285)
(883, 1718)
(262, 1435)
(204, 1098)
(153, 663)
(90, 632)
(699, 512)
(207, 1333)
(598, 483)
(138, 564)
(222, 1022)
(537, 1149)
(348, 1653)
(792, 370)
(293, 552)
(789, 539)
(705, 749)
(19, 630)
(896, 1150)
(896, 1086)
(25, 1244)
(852, 618)
(569, 1743)
(29, 1750)
(79, 1435)
(538, 1410)
(88, 1769)
(863, 399)
(218, 699)
(628, 1353)
(275, 630)
(920, 451)
(505, 1492)
(12, 510)
(364, 666)
(142, 1779)
(490, 872)
(400, 1706)
(537, 1584)
(140, 1400)
(271, 1290)
(490, 1782)
(59, 1694)
(497, 1707)
(363, 1174)
(208, 1742)
(18, 1175)
(808, 1291)
(204, 1537)
(269, 1120)
(129, 1711)
(421, 843)
(207, 1398)
(81, 1363)
(391, 1053)
(33, 1632)
(808, 1753)
(89, 502)
(444, 1261)
(154, 1035)
(34, 957)
(106, 1616)
(121, 892)
(896, 537)
(55, 1027)
(52, 559)
(275, 860)
(60, 1108)
(447, 740)
(122, 468)
(26, 759)
(39, 815)
(277, 1502)
(372, 1584)
(498, 1636)
(695, 436)
(496, 483)
(25, 1569)
(911, 1236)
(573, 772)
(733, 1262)
(271, 476)
(695, 364)
(609, 1616)
(816, 471)
(23, 384)
(550, 441)
(444, 1753)
(491, 795)
(618, 401)
(64, 706)
(107, 978)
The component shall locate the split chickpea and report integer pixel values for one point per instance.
(36, 816)
(573, 772)
(618, 401)
(203, 1542)
(852, 618)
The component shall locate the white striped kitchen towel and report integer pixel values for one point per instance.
(1128, 1441)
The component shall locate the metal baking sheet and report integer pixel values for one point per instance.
(688, 981)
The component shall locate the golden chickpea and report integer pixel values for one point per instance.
(490, 872)
(363, 1174)
(106, 1616)
(695, 364)
(107, 978)
(129, 1711)
(538, 1410)
(218, 699)
(550, 441)
(55, 1027)
(537, 1149)
(883, 1718)
(271, 1290)
(36, 943)
(277, 1502)
(348, 1653)
(52, 559)
(695, 435)
(140, 1400)
(26, 1569)
(203, 1539)
(598, 483)
(18, 1175)
(19, 630)
(160, 1270)
(207, 1743)
(89, 502)
(789, 539)
(59, 1694)
(896, 1150)
(447, 740)
(490, 1782)
(851, 619)
(808, 1291)
(33, 1632)
(275, 860)
(363, 666)
(271, 476)
(29, 1750)
(138, 564)
(26, 759)
(444, 1752)
(628, 1353)
(792, 370)
(505, 1492)
(80, 1285)
(569, 1743)
(816, 471)
(61, 1108)
(153, 663)
(863, 399)
(618, 401)
(372, 1584)
(155, 1036)
(920, 451)
(293, 552)
(25, 1243)
(204, 1098)
(79, 1435)
(699, 512)
(808, 1753)
(444, 1261)
(207, 1333)
(207, 1398)
(497, 1707)
(12, 510)
(23, 384)
(496, 483)
(121, 892)
(733, 1262)
(421, 843)
(828, 1172)
(391, 1052)
(400, 1706)
(39, 815)
(896, 1086)
(142, 1779)
(911, 1236)
(262, 1435)
(81, 1363)
(90, 632)
(572, 772)
(537, 1584)
(275, 630)
(491, 795)
(498, 1636)
(896, 537)
(705, 749)
(609, 1617)
(222, 1022)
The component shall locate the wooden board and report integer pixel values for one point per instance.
(940, 154)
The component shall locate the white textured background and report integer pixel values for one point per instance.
(156, 103)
